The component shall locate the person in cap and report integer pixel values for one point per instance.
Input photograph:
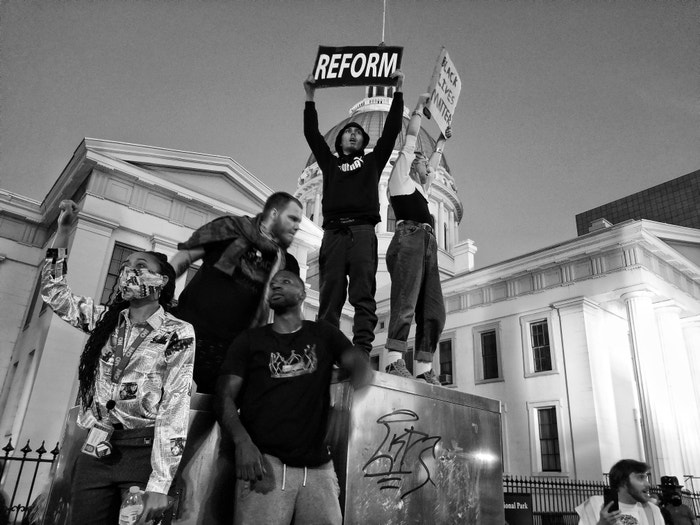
(348, 256)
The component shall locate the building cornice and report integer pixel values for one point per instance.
(628, 246)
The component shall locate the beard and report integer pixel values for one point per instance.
(280, 235)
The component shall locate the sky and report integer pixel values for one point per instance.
(565, 105)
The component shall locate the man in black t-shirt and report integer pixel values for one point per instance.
(228, 293)
(279, 376)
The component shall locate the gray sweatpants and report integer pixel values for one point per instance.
(310, 495)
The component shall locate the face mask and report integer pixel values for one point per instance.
(138, 283)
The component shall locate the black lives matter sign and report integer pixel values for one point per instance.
(356, 65)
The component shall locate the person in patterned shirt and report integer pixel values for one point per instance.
(135, 380)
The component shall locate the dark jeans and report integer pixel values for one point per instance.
(350, 252)
(415, 289)
(98, 484)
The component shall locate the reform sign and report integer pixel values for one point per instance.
(356, 66)
(444, 89)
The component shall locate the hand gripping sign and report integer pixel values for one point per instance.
(444, 89)
(356, 66)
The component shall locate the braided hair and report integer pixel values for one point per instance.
(90, 357)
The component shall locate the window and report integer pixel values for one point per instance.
(538, 344)
(549, 439)
(445, 355)
(539, 337)
(119, 255)
(444, 236)
(390, 219)
(487, 357)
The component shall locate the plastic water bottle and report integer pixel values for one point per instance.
(132, 507)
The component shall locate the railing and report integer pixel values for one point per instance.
(554, 500)
(24, 480)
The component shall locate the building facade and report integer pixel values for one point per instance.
(592, 346)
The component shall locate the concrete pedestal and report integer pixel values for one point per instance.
(405, 453)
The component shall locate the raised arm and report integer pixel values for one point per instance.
(80, 312)
(67, 217)
(313, 136)
(392, 125)
(400, 183)
(439, 148)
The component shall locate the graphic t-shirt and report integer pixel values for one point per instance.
(220, 305)
(589, 511)
(285, 398)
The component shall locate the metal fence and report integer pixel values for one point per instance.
(554, 499)
(19, 474)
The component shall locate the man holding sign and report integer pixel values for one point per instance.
(350, 212)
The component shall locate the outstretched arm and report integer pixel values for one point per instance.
(355, 361)
(66, 219)
(439, 148)
(313, 136)
(184, 259)
(310, 87)
(400, 183)
(392, 124)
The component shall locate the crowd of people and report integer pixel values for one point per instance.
(147, 353)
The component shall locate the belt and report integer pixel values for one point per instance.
(133, 436)
(424, 225)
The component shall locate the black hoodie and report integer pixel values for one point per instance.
(350, 182)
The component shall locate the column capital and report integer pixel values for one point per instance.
(634, 292)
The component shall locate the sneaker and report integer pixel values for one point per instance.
(430, 378)
(398, 368)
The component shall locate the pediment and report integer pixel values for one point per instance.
(216, 185)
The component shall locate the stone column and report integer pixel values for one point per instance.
(588, 375)
(680, 382)
(691, 335)
(439, 228)
(660, 427)
(317, 210)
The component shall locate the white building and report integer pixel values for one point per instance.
(592, 345)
